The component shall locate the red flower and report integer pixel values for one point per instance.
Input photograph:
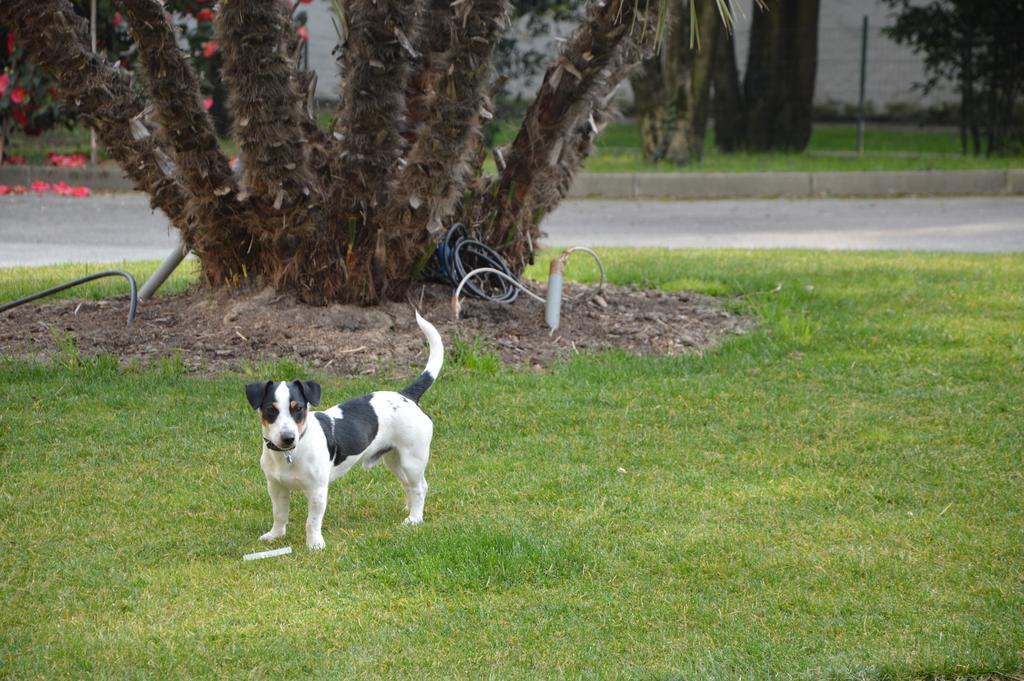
(10, 43)
(20, 117)
(116, 21)
(4, 80)
(207, 103)
(13, 160)
(305, 2)
(302, 32)
(4, 190)
(210, 48)
(79, 192)
(62, 188)
(205, 14)
(68, 160)
(18, 95)
(40, 187)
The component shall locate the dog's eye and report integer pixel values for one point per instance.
(271, 414)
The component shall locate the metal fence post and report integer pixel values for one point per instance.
(863, 79)
(92, 31)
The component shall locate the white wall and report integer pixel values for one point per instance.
(892, 69)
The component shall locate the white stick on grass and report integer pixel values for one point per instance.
(267, 554)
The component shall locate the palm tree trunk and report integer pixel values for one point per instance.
(172, 86)
(264, 101)
(377, 66)
(556, 180)
(436, 168)
(345, 218)
(508, 214)
(189, 134)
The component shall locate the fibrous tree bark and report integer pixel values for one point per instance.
(347, 214)
(536, 169)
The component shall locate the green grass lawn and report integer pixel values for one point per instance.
(835, 496)
(831, 149)
(618, 151)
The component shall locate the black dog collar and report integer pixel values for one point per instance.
(288, 455)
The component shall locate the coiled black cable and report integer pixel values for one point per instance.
(132, 306)
(457, 255)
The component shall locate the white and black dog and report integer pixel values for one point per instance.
(307, 454)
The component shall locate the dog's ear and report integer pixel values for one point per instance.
(310, 390)
(256, 392)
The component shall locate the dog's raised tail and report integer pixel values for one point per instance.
(414, 391)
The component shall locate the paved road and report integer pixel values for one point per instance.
(976, 224)
(40, 229)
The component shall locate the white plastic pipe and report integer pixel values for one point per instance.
(553, 305)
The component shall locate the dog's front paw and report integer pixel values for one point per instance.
(272, 535)
(315, 543)
(413, 521)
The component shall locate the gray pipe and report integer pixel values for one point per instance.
(169, 264)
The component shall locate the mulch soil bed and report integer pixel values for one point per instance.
(214, 331)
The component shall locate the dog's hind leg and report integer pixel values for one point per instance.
(279, 501)
(408, 466)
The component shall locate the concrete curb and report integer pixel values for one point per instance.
(797, 185)
(102, 179)
(667, 185)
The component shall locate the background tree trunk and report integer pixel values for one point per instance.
(648, 86)
(728, 105)
(688, 77)
(779, 82)
(671, 90)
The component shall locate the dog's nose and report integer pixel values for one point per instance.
(287, 439)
